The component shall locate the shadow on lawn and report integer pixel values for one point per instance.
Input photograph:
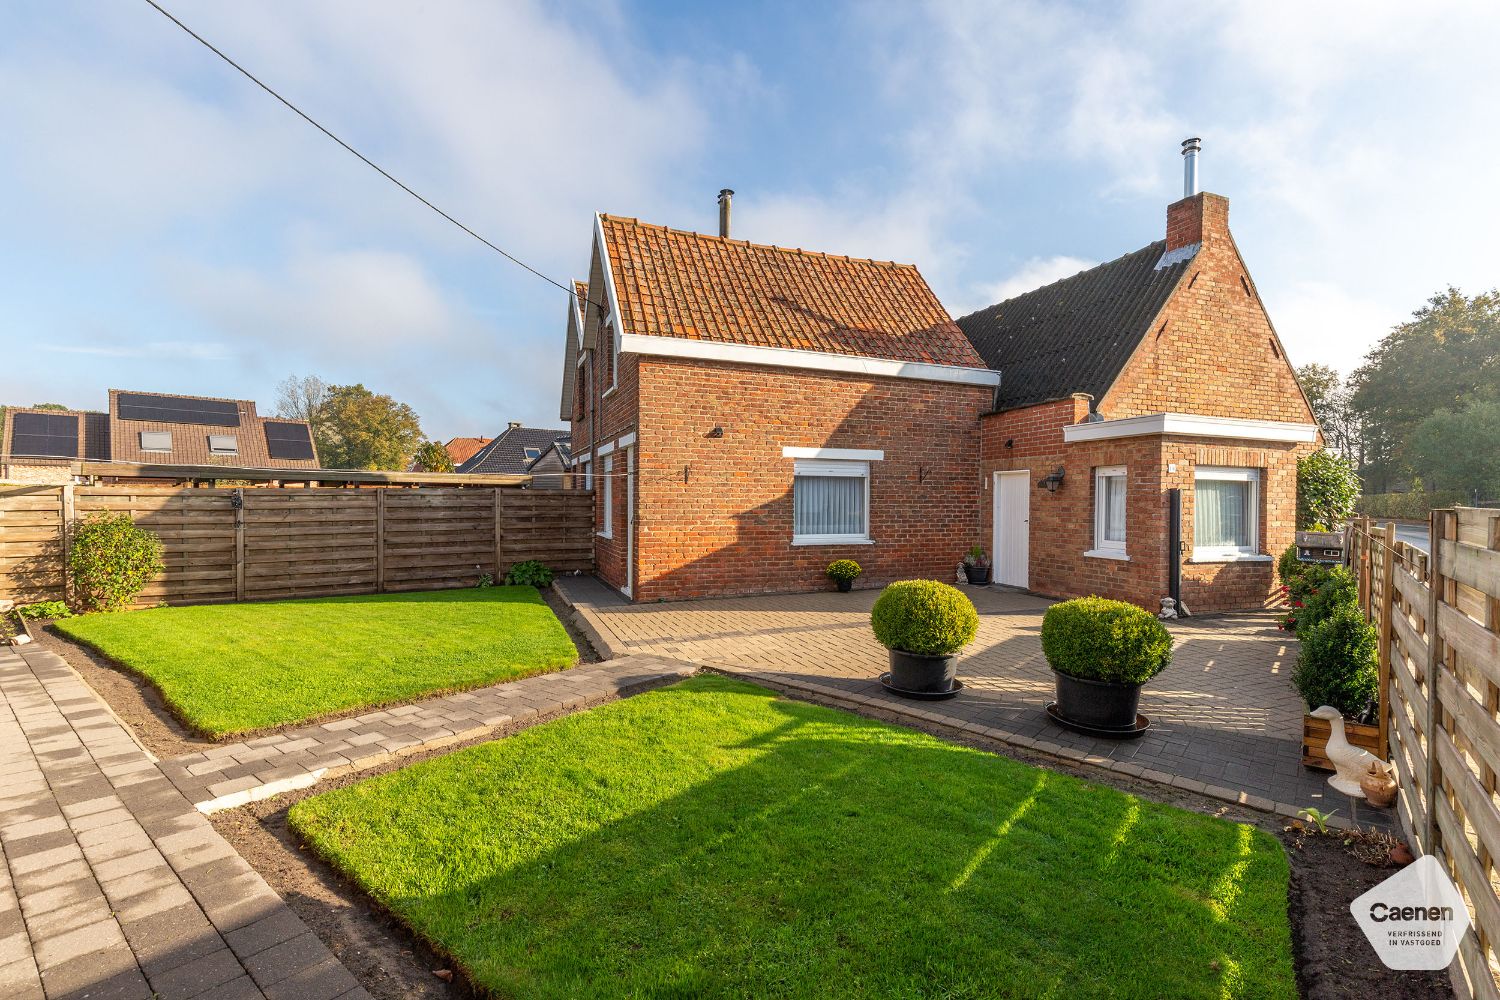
(837, 857)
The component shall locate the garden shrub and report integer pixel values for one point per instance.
(112, 560)
(531, 573)
(924, 617)
(1338, 663)
(843, 569)
(1415, 504)
(44, 609)
(1337, 587)
(1327, 487)
(1289, 568)
(1103, 640)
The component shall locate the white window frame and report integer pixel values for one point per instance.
(1231, 553)
(832, 467)
(608, 531)
(216, 449)
(1106, 548)
(588, 472)
(149, 435)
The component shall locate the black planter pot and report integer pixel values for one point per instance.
(1097, 705)
(977, 574)
(845, 586)
(915, 672)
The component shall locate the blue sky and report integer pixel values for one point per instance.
(171, 228)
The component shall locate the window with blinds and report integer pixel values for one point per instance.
(830, 502)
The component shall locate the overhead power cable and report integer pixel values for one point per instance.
(362, 157)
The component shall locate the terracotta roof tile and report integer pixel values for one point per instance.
(460, 450)
(672, 283)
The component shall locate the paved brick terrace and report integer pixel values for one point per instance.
(112, 885)
(1226, 719)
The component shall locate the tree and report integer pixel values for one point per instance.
(433, 457)
(1329, 398)
(302, 398)
(1459, 449)
(1447, 353)
(360, 429)
(48, 406)
(1327, 487)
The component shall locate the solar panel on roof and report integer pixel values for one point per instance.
(44, 435)
(289, 441)
(177, 410)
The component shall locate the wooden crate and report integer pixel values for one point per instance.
(1315, 739)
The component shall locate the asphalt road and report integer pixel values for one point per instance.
(1415, 534)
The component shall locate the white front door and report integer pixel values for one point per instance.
(1012, 521)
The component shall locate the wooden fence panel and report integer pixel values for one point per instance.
(31, 543)
(228, 544)
(1438, 617)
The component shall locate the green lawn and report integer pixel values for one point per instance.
(712, 839)
(234, 668)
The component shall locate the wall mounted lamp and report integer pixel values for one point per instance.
(1051, 481)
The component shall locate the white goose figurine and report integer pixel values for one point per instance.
(1349, 761)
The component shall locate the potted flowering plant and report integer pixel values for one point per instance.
(977, 565)
(843, 573)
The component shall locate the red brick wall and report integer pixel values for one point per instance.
(1062, 523)
(606, 415)
(1212, 351)
(715, 514)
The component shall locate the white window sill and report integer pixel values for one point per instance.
(831, 540)
(1106, 554)
(1229, 557)
(606, 535)
(609, 392)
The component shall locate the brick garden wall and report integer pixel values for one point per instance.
(715, 514)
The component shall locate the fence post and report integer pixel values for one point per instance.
(1436, 530)
(1387, 632)
(67, 511)
(239, 544)
(499, 537)
(379, 540)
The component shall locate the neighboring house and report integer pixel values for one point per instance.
(459, 449)
(552, 470)
(746, 414)
(513, 450)
(151, 429)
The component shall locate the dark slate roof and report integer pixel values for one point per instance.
(507, 454)
(1073, 335)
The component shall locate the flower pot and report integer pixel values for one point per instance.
(977, 574)
(915, 672)
(1379, 786)
(1097, 704)
(845, 586)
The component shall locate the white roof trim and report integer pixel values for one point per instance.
(1192, 425)
(839, 454)
(783, 357)
(609, 274)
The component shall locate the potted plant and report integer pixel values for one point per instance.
(977, 566)
(843, 572)
(1101, 653)
(924, 624)
(1337, 667)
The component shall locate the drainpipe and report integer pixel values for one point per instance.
(1174, 548)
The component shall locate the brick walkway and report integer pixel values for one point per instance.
(112, 885)
(1226, 720)
(235, 773)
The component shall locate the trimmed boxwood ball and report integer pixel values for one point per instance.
(924, 617)
(1103, 640)
(1339, 662)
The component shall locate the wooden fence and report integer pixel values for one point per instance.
(254, 544)
(1438, 618)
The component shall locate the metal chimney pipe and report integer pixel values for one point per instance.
(1190, 148)
(724, 198)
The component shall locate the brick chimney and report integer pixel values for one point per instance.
(1199, 216)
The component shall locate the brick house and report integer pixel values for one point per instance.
(746, 414)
